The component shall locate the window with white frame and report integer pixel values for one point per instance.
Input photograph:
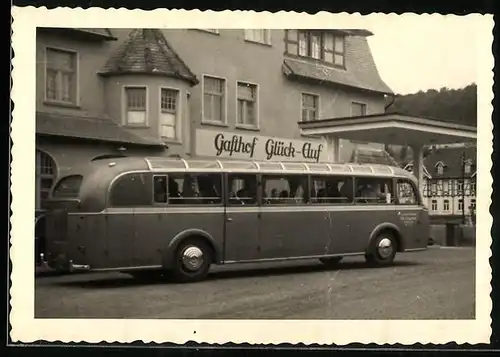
(61, 76)
(446, 188)
(214, 99)
(446, 205)
(434, 189)
(460, 186)
(247, 104)
(310, 107)
(321, 45)
(258, 35)
(434, 205)
(473, 188)
(473, 204)
(44, 177)
(136, 106)
(169, 111)
(358, 109)
(460, 204)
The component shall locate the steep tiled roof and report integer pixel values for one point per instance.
(371, 156)
(361, 71)
(89, 128)
(147, 51)
(452, 159)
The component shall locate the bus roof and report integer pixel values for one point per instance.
(167, 164)
(162, 164)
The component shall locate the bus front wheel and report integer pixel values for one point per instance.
(383, 250)
(192, 260)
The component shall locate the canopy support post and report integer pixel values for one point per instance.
(418, 165)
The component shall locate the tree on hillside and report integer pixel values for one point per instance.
(452, 105)
(455, 105)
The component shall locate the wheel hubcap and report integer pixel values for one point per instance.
(192, 258)
(385, 248)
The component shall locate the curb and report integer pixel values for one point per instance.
(437, 246)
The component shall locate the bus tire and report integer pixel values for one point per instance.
(330, 262)
(382, 250)
(192, 260)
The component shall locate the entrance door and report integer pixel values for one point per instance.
(241, 239)
(413, 220)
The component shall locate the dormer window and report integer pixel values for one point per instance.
(319, 45)
(439, 167)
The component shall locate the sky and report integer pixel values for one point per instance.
(421, 53)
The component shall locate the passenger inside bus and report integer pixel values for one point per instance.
(346, 191)
(160, 189)
(369, 191)
(174, 195)
(247, 194)
(208, 191)
(190, 191)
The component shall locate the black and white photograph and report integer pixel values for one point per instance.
(281, 178)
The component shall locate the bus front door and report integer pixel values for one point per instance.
(241, 233)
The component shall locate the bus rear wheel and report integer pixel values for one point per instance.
(192, 261)
(330, 262)
(383, 250)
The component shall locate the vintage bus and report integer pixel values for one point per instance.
(157, 216)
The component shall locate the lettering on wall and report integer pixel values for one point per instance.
(260, 148)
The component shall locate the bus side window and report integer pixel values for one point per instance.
(242, 189)
(406, 193)
(131, 190)
(195, 189)
(331, 189)
(373, 190)
(286, 189)
(160, 188)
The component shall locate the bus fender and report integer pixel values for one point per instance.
(387, 226)
(189, 233)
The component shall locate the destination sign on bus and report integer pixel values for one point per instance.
(261, 148)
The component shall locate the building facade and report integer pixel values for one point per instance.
(198, 93)
(450, 181)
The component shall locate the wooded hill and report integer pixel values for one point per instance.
(453, 105)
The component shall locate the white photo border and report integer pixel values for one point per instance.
(25, 328)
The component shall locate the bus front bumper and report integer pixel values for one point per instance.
(62, 264)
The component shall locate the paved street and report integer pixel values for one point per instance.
(435, 284)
